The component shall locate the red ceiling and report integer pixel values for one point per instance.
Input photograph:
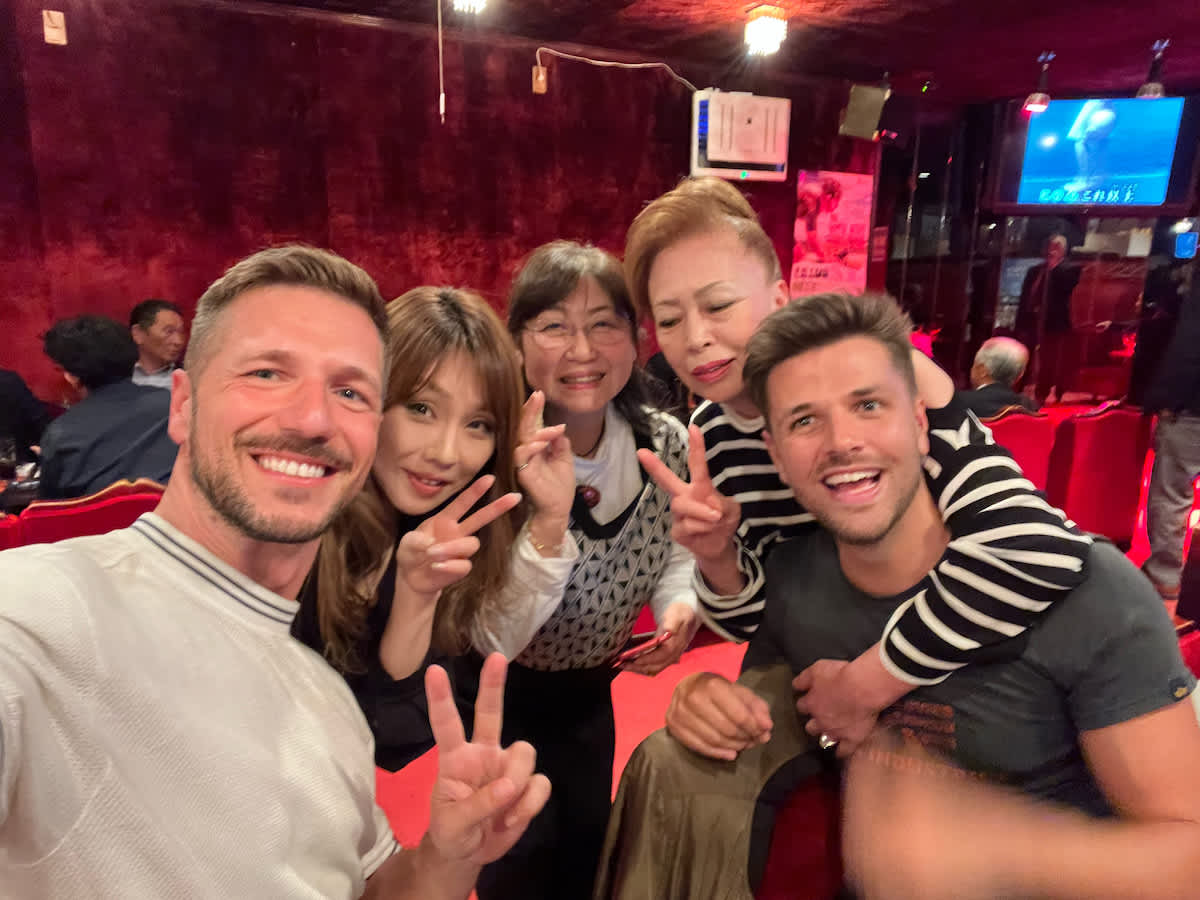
(974, 49)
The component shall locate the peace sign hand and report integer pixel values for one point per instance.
(545, 463)
(485, 795)
(705, 520)
(438, 553)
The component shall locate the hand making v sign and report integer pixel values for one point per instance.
(705, 520)
(438, 552)
(546, 472)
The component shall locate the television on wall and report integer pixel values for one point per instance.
(1120, 156)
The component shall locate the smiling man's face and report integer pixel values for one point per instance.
(848, 436)
(279, 427)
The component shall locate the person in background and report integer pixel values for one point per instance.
(162, 734)
(432, 551)
(570, 315)
(22, 416)
(1044, 318)
(1175, 394)
(701, 264)
(118, 429)
(999, 364)
(158, 330)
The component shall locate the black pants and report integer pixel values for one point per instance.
(568, 717)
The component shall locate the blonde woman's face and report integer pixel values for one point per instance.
(434, 444)
(708, 294)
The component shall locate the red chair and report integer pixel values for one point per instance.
(117, 506)
(10, 532)
(805, 859)
(1095, 469)
(1028, 436)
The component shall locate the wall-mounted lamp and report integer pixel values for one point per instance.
(765, 30)
(1039, 100)
(469, 6)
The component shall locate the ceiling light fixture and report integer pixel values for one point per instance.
(765, 30)
(1153, 88)
(469, 6)
(1039, 100)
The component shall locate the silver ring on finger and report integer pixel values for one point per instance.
(825, 742)
(523, 465)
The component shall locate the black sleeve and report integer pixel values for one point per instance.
(50, 486)
(1177, 385)
(28, 415)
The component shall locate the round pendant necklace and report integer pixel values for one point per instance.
(589, 493)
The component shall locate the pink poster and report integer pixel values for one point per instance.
(833, 227)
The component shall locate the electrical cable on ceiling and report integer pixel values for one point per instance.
(619, 65)
(441, 72)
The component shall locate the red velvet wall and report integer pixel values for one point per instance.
(171, 137)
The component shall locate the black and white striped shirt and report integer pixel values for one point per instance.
(1011, 554)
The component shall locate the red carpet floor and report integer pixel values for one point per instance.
(640, 705)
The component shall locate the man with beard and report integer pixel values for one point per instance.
(161, 732)
(1070, 760)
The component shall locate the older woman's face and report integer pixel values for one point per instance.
(580, 353)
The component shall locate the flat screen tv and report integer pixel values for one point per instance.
(1121, 156)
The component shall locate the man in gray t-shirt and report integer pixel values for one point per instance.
(1104, 655)
(1086, 713)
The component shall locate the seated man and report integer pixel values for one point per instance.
(1083, 712)
(999, 364)
(158, 330)
(118, 429)
(161, 732)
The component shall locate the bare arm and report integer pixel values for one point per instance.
(421, 874)
(1149, 768)
(934, 386)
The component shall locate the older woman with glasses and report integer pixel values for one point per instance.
(572, 319)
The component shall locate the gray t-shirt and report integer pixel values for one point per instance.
(1105, 654)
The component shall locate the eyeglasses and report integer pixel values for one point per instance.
(604, 332)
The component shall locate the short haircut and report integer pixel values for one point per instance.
(695, 206)
(1003, 358)
(147, 311)
(818, 321)
(549, 276)
(95, 349)
(294, 264)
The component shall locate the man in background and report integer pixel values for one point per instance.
(1044, 318)
(998, 366)
(1175, 394)
(118, 429)
(158, 330)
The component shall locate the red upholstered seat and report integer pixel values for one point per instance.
(10, 532)
(805, 859)
(1029, 437)
(1095, 469)
(117, 506)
